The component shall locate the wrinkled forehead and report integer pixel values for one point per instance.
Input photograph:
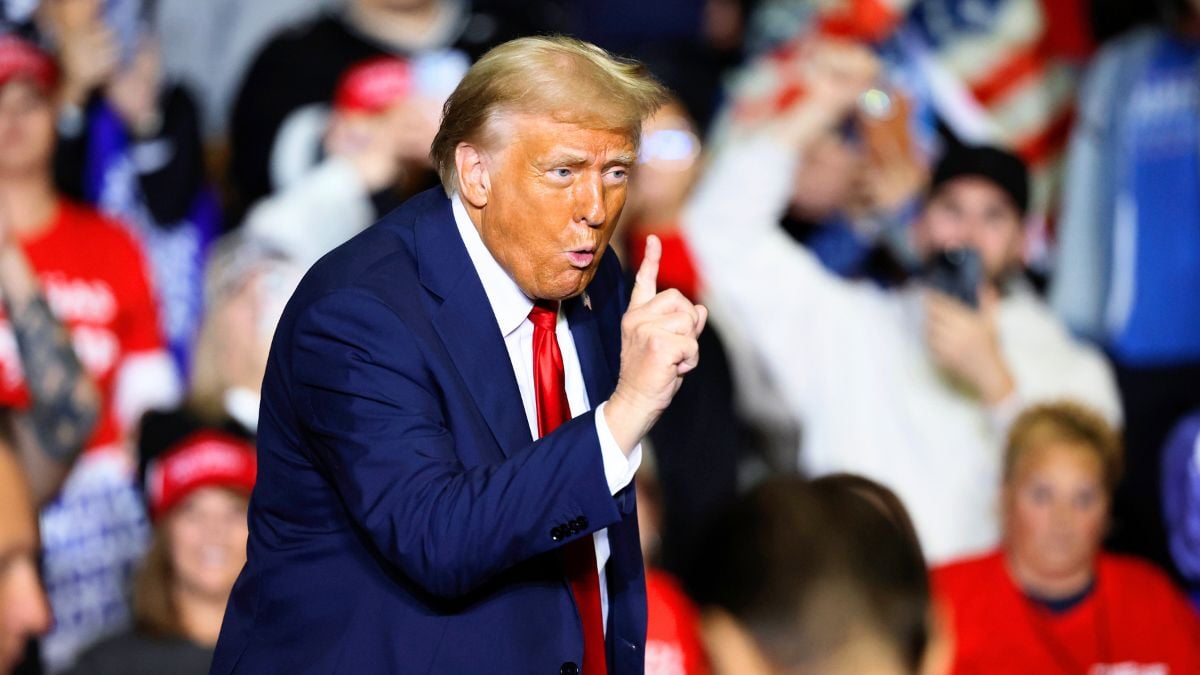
(545, 132)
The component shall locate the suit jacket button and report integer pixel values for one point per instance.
(557, 534)
(581, 523)
(569, 668)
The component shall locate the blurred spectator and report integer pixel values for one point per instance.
(673, 645)
(378, 136)
(50, 424)
(1049, 601)
(815, 578)
(1128, 270)
(1181, 500)
(999, 72)
(859, 185)
(95, 283)
(24, 613)
(209, 45)
(197, 488)
(694, 441)
(246, 287)
(129, 143)
(857, 188)
(280, 110)
(912, 388)
(191, 458)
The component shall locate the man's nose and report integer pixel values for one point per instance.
(589, 202)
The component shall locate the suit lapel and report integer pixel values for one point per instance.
(467, 326)
(596, 374)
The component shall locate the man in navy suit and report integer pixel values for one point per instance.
(455, 399)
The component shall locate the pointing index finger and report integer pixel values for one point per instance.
(645, 286)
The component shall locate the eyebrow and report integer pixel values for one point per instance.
(576, 159)
(566, 159)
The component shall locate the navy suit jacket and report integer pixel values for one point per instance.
(404, 521)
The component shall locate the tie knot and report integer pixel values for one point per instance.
(544, 314)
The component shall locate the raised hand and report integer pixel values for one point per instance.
(965, 344)
(659, 334)
(834, 72)
(88, 52)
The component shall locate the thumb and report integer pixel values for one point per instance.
(645, 285)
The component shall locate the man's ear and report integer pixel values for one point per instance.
(474, 181)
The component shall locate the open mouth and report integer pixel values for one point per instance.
(582, 257)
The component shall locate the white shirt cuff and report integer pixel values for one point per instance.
(618, 469)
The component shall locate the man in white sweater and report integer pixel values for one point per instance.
(910, 387)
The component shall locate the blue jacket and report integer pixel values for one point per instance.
(404, 521)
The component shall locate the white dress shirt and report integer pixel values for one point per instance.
(511, 307)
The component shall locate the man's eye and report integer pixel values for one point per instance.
(562, 173)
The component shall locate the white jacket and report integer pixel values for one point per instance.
(851, 363)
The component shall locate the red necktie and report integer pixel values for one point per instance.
(552, 410)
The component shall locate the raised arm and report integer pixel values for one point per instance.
(761, 282)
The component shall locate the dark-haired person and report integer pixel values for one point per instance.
(129, 144)
(278, 114)
(911, 387)
(455, 399)
(1049, 600)
(821, 577)
(375, 151)
(197, 489)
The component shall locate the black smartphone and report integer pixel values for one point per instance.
(957, 272)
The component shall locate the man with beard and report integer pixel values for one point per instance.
(913, 387)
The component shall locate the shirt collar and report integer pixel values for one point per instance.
(509, 303)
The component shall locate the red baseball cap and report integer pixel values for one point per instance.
(21, 59)
(374, 85)
(207, 458)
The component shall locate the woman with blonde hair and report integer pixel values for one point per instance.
(1049, 600)
(198, 466)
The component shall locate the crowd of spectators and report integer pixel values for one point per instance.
(948, 413)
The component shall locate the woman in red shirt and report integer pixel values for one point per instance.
(1050, 601)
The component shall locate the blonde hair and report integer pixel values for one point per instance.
(233, 261)
(559, 77)
(1065, 422)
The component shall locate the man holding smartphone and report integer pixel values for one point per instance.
(911, 387)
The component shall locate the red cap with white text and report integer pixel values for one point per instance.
(207, 458)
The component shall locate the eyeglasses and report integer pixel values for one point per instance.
(680, 147)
